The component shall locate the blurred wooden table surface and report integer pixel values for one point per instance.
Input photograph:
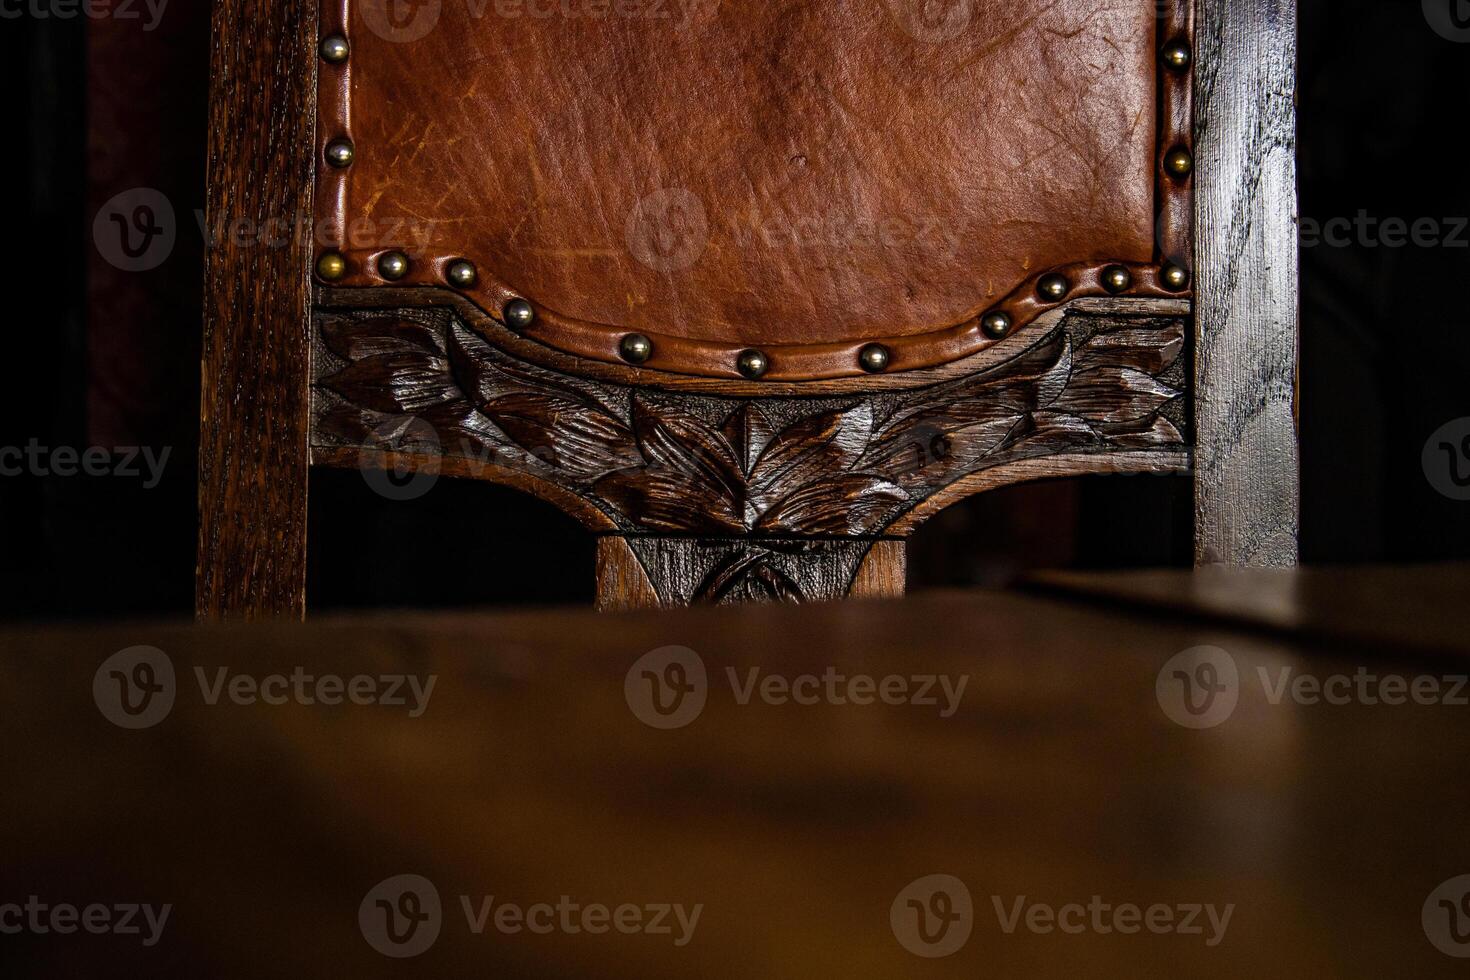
(1416, 608)
(1059, 780)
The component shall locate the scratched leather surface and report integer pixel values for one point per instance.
(762, 172)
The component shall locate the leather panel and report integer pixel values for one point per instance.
(801, 177)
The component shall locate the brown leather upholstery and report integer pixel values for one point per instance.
(797, 176)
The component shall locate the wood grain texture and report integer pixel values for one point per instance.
(529, 776)
(654, 572)
(421, 384)
(253, 414)
(1246, 471)
(720, 571)
(883, 573)
(622, 582)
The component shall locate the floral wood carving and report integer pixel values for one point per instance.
(660, 462)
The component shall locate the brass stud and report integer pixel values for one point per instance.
(334, 49)
(1175, 277)
(518, 314)
(461, 274)
(1053, 287)
(1116, 279)
(1176, 56)
(752, 364)
(1178, 162)
(996, 325)
(331, 266)
(340, 153)
(635, 348)
(874, 358)
(393, 265)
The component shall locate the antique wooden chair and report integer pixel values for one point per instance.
(751, 288)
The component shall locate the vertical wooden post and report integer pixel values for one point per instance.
(253, 419)
(1246, 479)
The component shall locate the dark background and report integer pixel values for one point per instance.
(97, 357)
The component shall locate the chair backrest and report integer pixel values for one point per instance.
(751, 288)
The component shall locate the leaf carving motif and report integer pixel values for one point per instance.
(659, 463)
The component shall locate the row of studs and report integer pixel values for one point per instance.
(392, 266)
(636, 348)
(1176, 58)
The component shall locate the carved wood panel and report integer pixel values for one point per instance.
(422, 384)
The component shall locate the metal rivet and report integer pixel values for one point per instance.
(996, 325)
(635, 348)
(331, 266)
(340, 153)
(393, 265)
(1178, 162)
(752, 363)
(334, 48)
(1176, 55)
(1052, 287)
(519, 314)
(874, 358)
(1116, 279)
(1175, 277)
(461, 274)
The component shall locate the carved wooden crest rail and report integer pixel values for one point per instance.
(750, 287)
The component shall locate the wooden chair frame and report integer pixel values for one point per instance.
(274, 341)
